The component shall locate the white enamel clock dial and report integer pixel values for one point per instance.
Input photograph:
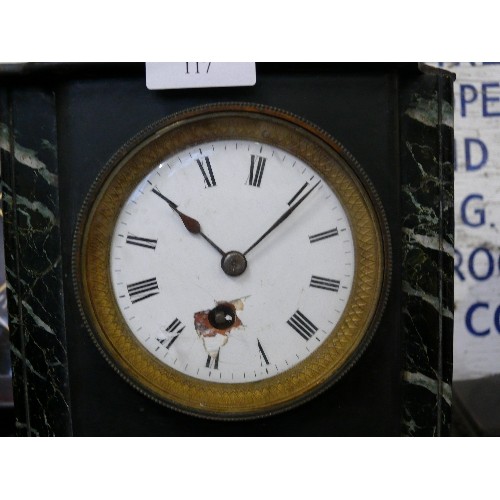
(230, 261)
(171, 286)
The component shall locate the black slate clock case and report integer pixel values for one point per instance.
(68, 120)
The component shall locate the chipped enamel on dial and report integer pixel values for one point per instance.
(169, 283)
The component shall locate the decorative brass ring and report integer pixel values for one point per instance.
(133, 162)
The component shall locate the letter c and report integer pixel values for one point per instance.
(468, 318)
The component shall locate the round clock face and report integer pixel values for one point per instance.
(231, 262)
(296, 282)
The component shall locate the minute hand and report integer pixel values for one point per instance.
(282, 218)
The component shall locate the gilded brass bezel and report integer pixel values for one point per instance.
(121, 176)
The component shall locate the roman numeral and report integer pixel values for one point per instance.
(262, 353)
(141, 242)
(257, 164)
(142, 290)
(213, 362)
(207, 176)
(324, 283)
(175, 327)
(321, 236)
(303, 326)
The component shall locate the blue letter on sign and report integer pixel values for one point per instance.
(472, 267)
(468, 318)
(463, 100)
(468, 156)
(478, 211)
(458, 262)
(486, 99)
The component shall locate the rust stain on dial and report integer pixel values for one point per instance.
(206, 326)
(214, 325)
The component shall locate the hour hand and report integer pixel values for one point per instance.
(192, 225)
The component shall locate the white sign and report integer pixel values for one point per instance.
(185, 75)
(477, 219)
